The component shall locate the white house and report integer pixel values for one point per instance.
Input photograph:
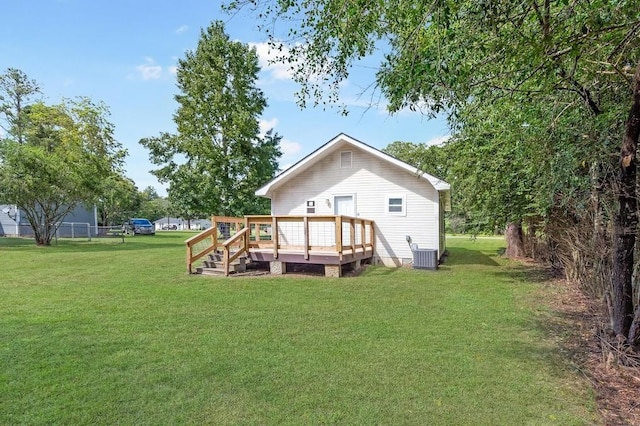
(348, 177)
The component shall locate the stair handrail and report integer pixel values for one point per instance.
(191, 242)
(227, 258)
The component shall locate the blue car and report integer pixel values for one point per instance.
(139, 226)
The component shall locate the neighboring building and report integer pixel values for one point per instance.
(174, 223)
(14, 223)
(348, 177)
(9, 220)
(170, 223)
(200, 224)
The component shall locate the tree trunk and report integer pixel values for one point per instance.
(626, 221)
(515, 243)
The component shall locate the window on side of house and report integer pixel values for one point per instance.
(345, 160)
(311, 207)
(396, 205)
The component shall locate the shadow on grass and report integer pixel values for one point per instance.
(378, 271)
(557, 317)
(462, 256)
(10, 242)
(566, 328)
(530, 273)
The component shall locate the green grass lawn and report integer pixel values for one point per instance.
(108, 333)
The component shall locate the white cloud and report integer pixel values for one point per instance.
(289, 148)
(149, 70)
(266, 125)
(266, 57)
(182, 29)
(173, 70)
(438, 140)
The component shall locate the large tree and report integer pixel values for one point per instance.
(119, 200)
(16, 92)
(67, 150)
(446, 56)
(152, 205)
(217, 158)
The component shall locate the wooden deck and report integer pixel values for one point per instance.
(332, 241)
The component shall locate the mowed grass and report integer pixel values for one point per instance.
(108, 333)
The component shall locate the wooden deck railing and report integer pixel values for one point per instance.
(337, 234)
(240, 240)
(208, 240)
(302, 234)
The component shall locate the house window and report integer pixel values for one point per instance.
(345, 160)
(311, 207)
(396, 205)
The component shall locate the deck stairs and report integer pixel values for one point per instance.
(214, 265)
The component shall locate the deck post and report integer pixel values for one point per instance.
(338, 223)
(188, 259)
(247, 236)
(352, 234)
(305, 220)
(274, 236)
(372, 235)
(214, 236)
(225, 261)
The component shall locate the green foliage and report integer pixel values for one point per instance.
(16, 90)
(225, 159)
(65, 156)
(153, 206)
(438, 54)
(119, 199)
(431, 159)
(140, 342)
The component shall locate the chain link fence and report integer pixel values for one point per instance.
(72, 230)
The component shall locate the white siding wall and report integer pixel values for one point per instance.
(370, 181)
(8, 224)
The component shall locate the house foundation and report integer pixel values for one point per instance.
(357, 265)
(334, 271)
(277, 268)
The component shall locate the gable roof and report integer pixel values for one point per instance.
(328, 147)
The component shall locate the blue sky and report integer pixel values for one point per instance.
(124, 53)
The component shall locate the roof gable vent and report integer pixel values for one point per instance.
(345, 160)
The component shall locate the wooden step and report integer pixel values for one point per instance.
(209, 271)
(216, 267)
(215, 256)
(238, 265)
(218, 257)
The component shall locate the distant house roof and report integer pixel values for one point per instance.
(339, 141)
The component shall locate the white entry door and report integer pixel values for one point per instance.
(343, 205)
